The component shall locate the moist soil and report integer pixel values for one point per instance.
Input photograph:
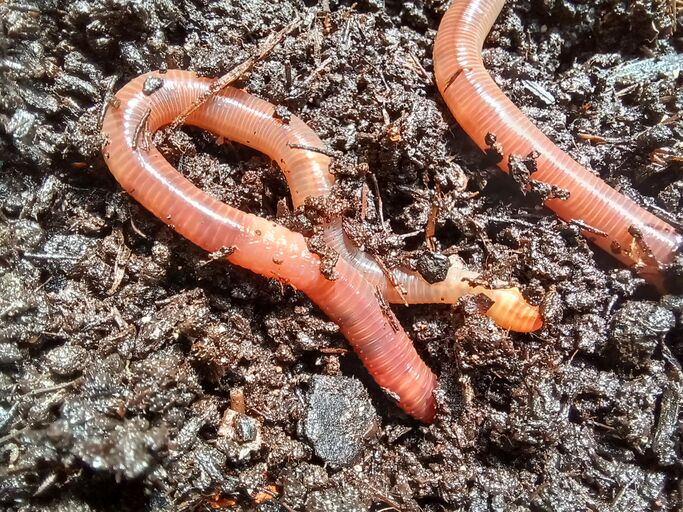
(139, 373)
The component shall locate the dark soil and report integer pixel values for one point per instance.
(136, 373)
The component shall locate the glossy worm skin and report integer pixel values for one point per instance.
(256, 243)
(480, 107)
(509, 310)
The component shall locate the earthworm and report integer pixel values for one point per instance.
(152, 101)
(509, 309)
(618, 225)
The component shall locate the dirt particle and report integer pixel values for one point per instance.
(433, 266)
(151, 85)
(637, 329)
(66, 360)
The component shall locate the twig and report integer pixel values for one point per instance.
(315, 149)
(380, 206)
(517, 222)
(140, 128)
(299, 89)
(587, 227)
(109, 101)
(56, 387)
(47, 256)
(12, 435)
(391, 278)
(235, 73)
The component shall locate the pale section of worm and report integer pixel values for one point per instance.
(256, 243)
(509, 310)
(620, 226)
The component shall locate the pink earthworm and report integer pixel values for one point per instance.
(152, 101)
(618, 225)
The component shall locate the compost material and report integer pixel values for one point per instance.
(138, 372)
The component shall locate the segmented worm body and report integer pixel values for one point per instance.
(253, 242)
(509, 310)
(624, 229)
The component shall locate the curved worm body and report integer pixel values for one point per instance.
(256, 243)
(509, 310)
(620, 227)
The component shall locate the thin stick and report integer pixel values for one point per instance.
(322, 151)
(236, 72)
(380, 206)
(140, 128)
(56, 387)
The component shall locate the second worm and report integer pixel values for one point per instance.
(621, 227)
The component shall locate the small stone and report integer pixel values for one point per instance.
(245, 428)
(239, 435)
(339, 419)
(66, 360)
(433, 266)
(282, 113)
(152, 84)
